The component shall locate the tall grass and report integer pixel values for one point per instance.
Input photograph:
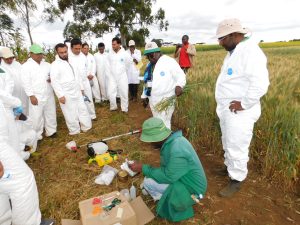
(275, 145)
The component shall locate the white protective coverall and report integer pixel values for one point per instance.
(133, 72)
(19, 187)
(167, 74)
(117, 78)
(101, 64)
(79, 63)
(244, 77)
(91, 70)
(28, 135)
(10, 102)
(35, 79)
(15, 71)
(67, 83)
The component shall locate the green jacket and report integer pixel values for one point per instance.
(181, 168)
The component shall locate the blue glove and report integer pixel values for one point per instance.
(86, 98)
(18, 110)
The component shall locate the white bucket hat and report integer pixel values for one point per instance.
(6, 53)
(229, 26)
(151, 47)
(131, 43)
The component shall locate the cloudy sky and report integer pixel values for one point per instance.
(269, 20)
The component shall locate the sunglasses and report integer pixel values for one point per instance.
(224, 37)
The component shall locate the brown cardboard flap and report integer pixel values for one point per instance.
(143, 213)
(70, 222)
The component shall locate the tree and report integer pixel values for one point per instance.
(158, 42)
(7, 27)
(102, 16)
(25, 9)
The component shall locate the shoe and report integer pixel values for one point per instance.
(221, 172)
(52, 135)
(47, 222)
(233, 187)
(113, 109)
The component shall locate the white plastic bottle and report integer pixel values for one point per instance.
(132, 192)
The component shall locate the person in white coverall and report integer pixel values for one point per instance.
(14, 69)
(243, 80)
(101, 64)
(13, 109)
(91, 72)
(36, 82)
(79, 63)
(119, 62)
(163, 78)
(67, 85)
(19, 201)
(133, 72)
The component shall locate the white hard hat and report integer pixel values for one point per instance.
(229, 26)
(131, 43)
(6, 53)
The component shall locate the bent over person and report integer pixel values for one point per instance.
(243, 80)
(180, 177)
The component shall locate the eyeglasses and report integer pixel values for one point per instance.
(150, 56)
(223, 38)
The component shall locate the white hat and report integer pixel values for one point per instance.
(6, 53)
(151, 47)
(229, 26)
(131, 43)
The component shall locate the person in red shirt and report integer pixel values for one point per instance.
(184, 53)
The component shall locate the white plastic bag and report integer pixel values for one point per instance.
(106, 176)
(125, 167)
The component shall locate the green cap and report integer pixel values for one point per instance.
(154, 130)
(36, 49)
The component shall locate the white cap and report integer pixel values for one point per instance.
(6, 53)
(131, 43)
(151, 47)
(229, 26)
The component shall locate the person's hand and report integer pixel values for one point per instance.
(1, 170)
(90, 77)
(62, 100)
(136, 166)
(33, 100)
(235, 106)
(178, 90)
(135, 61)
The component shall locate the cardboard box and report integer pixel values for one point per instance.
(126, 213)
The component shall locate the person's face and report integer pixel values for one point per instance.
(153, 57)
(37, 57)
(101, 50)
(85, 50)
(9, 61)
(228, 42)
(185, 40)
(76, 49)
(116, 46)
(132, 48)
(62, 53)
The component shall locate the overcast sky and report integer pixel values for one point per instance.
(269, 20)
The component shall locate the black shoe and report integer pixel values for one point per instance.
(53, 135)
(47, 222)
(233, 187)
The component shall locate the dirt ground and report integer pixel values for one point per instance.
(64, 178)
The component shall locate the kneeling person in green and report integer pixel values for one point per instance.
(179, 176)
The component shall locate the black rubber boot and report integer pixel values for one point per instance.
(233, 187)
(47, 222)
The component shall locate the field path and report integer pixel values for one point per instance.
(64, 178)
